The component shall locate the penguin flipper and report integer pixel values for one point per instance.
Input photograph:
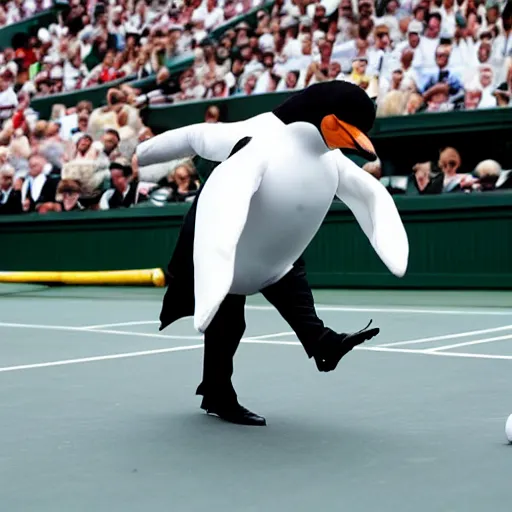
(222, 211)
(376, 212)
(212, 141)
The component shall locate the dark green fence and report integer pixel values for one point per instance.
(400, 141)
(456, 242)
(42, 19)
(96, 95)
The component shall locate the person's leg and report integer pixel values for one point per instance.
(293, 299)
(221, 341)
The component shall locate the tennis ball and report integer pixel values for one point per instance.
(508, 429)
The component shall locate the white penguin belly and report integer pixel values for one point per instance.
(284, 215)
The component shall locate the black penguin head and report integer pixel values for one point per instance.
(342, 112)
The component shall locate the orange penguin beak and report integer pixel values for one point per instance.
(338, 134)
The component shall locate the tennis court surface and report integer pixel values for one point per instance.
(99, 412)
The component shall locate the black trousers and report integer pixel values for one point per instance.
(292, 298)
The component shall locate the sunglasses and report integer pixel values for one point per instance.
(450, 163)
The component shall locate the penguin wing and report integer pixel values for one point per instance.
(212, 141)
(222, 210)
(376, 212)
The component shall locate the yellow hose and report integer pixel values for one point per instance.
(154, 276)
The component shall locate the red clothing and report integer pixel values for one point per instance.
(27, 57)
(107, 75)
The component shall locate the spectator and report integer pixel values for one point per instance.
(110, 145)
(8, 98)
(443, 75)
(442, 176)
(502, 95)
(126, 190)
(212, 114)
(10, 196)
(472, 98)
(38, 186)
(487, 173)
(426, 58)
(68, 195)
(182, 183)
(84, 149)
(380, 56)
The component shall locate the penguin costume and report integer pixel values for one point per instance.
(281, 171)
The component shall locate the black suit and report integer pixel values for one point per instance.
(291, 296)
(13, 203)
(47, 195)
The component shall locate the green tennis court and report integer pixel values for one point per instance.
(99, 412)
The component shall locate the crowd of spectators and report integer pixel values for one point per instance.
(13, 11)
(409, 55)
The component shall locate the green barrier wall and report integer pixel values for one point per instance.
(97, 95)
(456, 242)
(400, 141)
(42, 19)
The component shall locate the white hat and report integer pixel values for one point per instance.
(317, 35)
(44, 36)
(415, 27)
(12, 67)
(288, 22)
(57, 73)
(306, 21)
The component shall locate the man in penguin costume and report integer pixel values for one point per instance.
(254, 217)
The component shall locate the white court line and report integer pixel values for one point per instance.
(104, 331)
(468, 355)
(246, 340)
(128, 333)
(269, 342)
(447, 336)
(264, 336)
(397, 350)
(146, 334)
(468, 343)
(353, 309)
(120, 324)
(97, 358)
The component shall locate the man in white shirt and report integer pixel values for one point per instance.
(380, 55)
(8, 99)
(502, 46)
(38, 186)
(426, 52)
(414, 31)
(211, 14)
(448, 11)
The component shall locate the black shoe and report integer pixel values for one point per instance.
(234, 413)
(334, 346)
